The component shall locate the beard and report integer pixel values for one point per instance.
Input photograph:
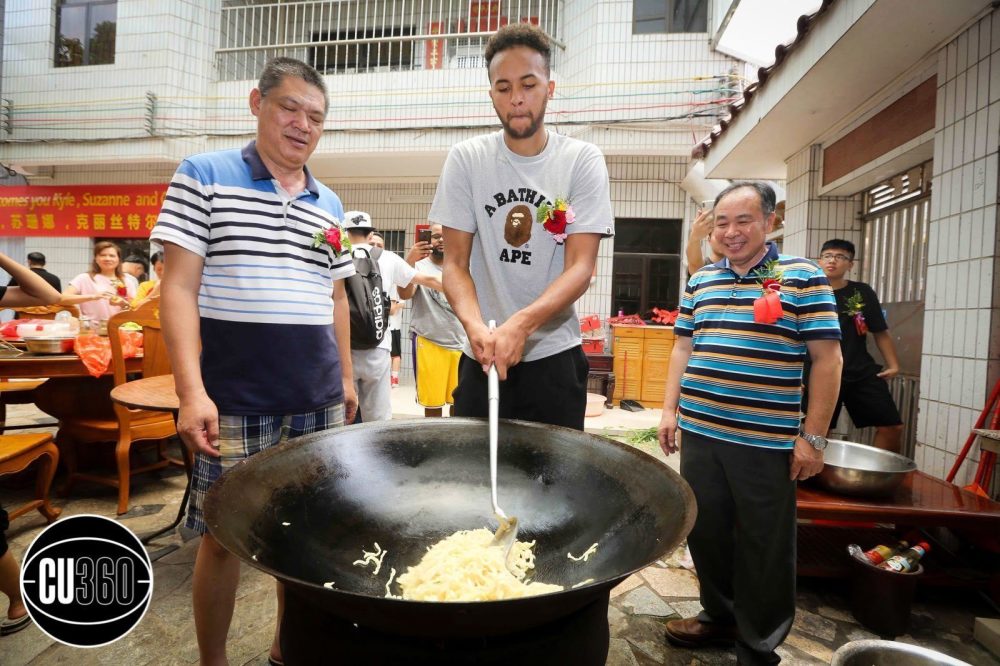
(525, 133)
(437, 252)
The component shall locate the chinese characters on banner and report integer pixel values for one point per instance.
(124, 211)
(434, 49)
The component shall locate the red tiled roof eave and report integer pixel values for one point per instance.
(803, 26)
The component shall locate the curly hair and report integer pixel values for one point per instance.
(519, 34)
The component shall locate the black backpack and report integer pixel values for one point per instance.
(368, 300)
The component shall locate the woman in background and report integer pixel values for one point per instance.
(105, 289)
(150, 288)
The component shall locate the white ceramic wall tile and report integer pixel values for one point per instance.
(962, 52)
(931, 418)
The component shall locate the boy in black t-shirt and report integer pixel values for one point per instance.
(863, 387)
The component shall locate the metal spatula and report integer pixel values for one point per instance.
(506, 533)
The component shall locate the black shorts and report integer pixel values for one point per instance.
(396, 350)
(550, 390)
(869, 403)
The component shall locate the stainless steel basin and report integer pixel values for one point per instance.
(890, 653)
(862, 471)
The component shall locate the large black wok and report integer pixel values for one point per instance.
(407, 484)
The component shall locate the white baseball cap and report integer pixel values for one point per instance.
(357, 219)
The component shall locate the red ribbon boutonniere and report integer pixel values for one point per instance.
(335, 237)
(855, 310)
(556, 217)
(120, 289)
(767, 308)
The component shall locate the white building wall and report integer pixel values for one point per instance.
(811, 220)
(168, 49)
(604, 57)
(163, 47)
(961, 346)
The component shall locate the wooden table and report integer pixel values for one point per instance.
(39, 366)
(921, 500)
(71, 392)
(156, 394)
(153, 393)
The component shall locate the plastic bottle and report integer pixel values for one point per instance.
(908, 559)
(881, 553)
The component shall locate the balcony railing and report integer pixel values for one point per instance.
(362, 36)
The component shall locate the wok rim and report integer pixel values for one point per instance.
(597, 585)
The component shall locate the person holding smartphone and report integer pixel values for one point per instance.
(701, 229)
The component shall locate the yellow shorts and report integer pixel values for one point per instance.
(437, 373)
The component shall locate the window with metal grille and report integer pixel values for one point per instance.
(666, 16)
(85, 32)
(647, 266)
(362, 50)
(395, 241)
(896, 218)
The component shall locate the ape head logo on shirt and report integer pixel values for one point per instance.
(517, 230)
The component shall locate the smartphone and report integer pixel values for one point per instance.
(424, 236)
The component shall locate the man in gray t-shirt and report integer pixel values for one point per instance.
(510, 262)
(438, 336)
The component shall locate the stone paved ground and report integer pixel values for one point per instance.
(639, 605)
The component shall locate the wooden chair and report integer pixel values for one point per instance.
(17, 393)
(45, 311)
(131, 425)
(19, 451)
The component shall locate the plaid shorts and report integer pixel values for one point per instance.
(241, 437)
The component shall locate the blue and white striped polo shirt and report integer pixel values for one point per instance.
(743, 382)
(266, 297)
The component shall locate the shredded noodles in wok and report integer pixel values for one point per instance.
(465, 567)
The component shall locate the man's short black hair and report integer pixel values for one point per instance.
(768, 201)
(138, 259)
(839, 244)
(36, 258)
(278, 68)
(519, 34)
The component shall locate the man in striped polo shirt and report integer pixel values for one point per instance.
(255, 318)
(734, 388)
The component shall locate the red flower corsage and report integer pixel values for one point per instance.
(767, 308)
(855, 310)
(556, 217)
(335, 237)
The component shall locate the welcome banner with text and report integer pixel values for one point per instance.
(126, 211)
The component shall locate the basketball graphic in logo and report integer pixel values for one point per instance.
(86, 580)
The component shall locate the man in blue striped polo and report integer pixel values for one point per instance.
(734, 388)
(255, 318)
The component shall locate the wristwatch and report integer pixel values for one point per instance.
(818, 442)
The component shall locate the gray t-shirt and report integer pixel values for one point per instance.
(487, 190)
(432, 316)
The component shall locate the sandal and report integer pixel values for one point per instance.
(13, 626)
